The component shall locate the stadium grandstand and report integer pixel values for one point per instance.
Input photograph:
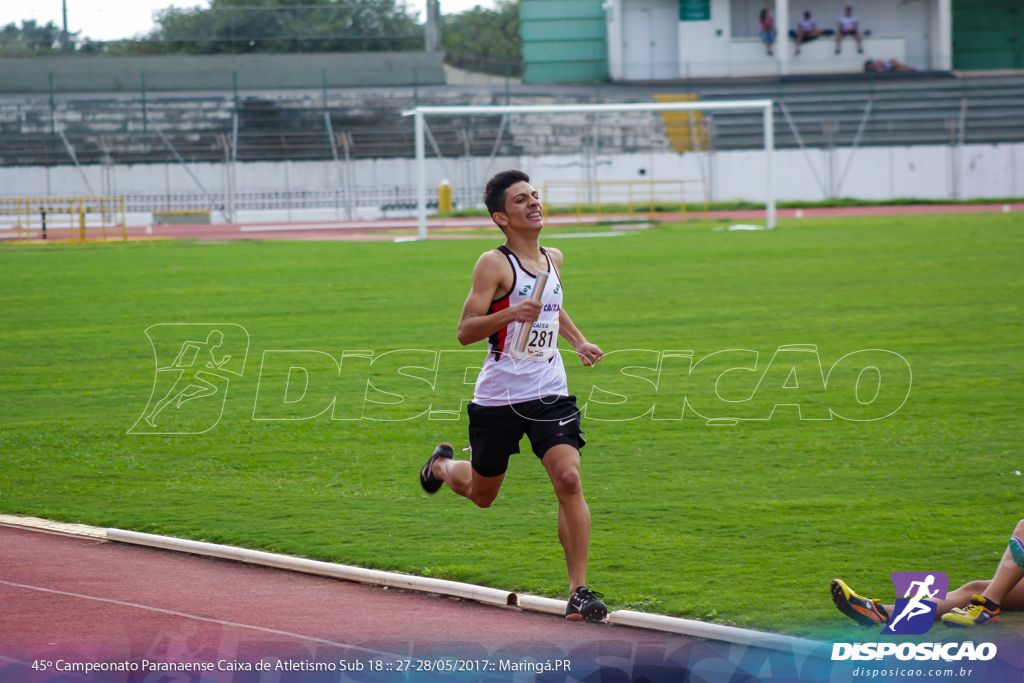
(324, 117)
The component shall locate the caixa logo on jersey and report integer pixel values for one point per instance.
(912, 615)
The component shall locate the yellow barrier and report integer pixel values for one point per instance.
(76, 219)
(602, 193)
(686, 130)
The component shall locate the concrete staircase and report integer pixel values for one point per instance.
(368, 123)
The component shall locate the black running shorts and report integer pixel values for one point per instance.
(495, 431)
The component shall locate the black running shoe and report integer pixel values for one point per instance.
(428, 481)
(585, 604)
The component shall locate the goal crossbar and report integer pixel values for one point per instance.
(419, 115)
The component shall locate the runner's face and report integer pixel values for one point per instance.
(523, 207)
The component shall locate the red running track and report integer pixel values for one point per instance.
(386, 230)
(77, 600)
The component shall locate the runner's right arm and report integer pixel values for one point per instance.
(491, 275)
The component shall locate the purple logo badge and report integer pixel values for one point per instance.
(914, 613)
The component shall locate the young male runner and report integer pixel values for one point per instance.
(972, 604)
(528, 396)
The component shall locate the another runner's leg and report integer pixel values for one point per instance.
(1005, 588)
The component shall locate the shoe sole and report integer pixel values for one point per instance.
(1017, 550)
(841, 597)
(439, 452)
(595, 613)
(968, 624)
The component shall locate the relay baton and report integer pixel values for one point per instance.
(522, 334)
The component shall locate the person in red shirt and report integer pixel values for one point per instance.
(767, 30)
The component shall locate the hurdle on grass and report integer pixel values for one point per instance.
(420, 114)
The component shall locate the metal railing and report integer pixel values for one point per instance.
(75, 219)
(629, 197)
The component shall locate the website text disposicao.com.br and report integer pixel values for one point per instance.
(905, 653)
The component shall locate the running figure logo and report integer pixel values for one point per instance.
(194, 365)
(914, 613)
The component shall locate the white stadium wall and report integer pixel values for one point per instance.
(871, 173)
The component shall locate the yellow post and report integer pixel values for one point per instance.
(682, 200)
(444, 197)
(81, 221)
(28, 229)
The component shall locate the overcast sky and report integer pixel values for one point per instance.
(113, 19)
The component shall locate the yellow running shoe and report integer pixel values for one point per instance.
(864, 611)
(980, 611)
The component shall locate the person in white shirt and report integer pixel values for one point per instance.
(848, 26)
(806, 29)
(886, 65)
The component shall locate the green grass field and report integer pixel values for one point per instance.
(742, 525)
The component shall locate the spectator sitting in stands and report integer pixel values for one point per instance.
(806, 30)
(767, 30)
(848, 26)
(886, 65)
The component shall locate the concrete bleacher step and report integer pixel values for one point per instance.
(290, 125)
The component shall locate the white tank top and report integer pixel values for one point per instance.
(504, 380)
(847, 23)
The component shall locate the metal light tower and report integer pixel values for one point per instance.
(65, 41)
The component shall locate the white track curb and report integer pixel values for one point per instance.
(339, 571)
(491, 596)
(59, 527)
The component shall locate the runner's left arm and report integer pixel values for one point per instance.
(588, 353)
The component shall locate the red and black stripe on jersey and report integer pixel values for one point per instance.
(498, 339)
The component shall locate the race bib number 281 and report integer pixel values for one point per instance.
(541, 338)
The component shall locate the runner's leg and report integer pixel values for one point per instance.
(562, 463)
(467, 482)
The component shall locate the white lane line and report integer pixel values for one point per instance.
(567, 235)
(206, 619)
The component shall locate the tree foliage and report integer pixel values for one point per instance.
(240, 26)
(245, 26)
(30, 40)
(484, 40)
(479, 39)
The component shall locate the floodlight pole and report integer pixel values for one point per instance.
(419, 112)
(421, 176)
(65, 37)
(769, 148)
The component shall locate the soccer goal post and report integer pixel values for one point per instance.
(420, 113)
